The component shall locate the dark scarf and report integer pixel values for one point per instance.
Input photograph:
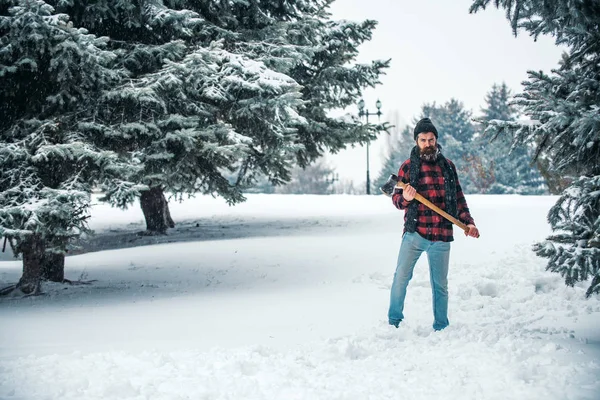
(449, 186)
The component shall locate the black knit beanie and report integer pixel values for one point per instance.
(425, 125)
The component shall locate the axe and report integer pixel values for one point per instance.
(393, 183)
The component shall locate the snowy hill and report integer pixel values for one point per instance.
(285, 297)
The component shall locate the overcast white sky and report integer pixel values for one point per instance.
(438, 51)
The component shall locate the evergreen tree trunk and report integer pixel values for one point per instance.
(33, 255)
(53, 267)
(156, 211)
(556, 182)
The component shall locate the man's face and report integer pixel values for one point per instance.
(427, 143)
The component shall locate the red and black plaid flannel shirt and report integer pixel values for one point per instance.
(430, 224)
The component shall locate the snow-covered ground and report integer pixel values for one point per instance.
(285, 297)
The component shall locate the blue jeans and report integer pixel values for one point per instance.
(438, 254)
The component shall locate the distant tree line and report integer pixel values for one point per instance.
(487, 167)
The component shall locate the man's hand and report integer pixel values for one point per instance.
(473, 231)
(409, 192)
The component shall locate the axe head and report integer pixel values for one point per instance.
(388, 187)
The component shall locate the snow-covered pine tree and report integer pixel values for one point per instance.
(248, 115)
(564, 108)
(330, 81)
(299, 39)
(512, 171)
(146, 118)
(573, 249)
(49, 73)
(210, 110)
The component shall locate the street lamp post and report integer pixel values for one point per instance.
(364, 112)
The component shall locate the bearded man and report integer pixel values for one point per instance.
(432, 175)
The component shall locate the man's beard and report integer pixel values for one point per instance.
(429, 154)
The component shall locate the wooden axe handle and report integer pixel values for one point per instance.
(427, 203)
